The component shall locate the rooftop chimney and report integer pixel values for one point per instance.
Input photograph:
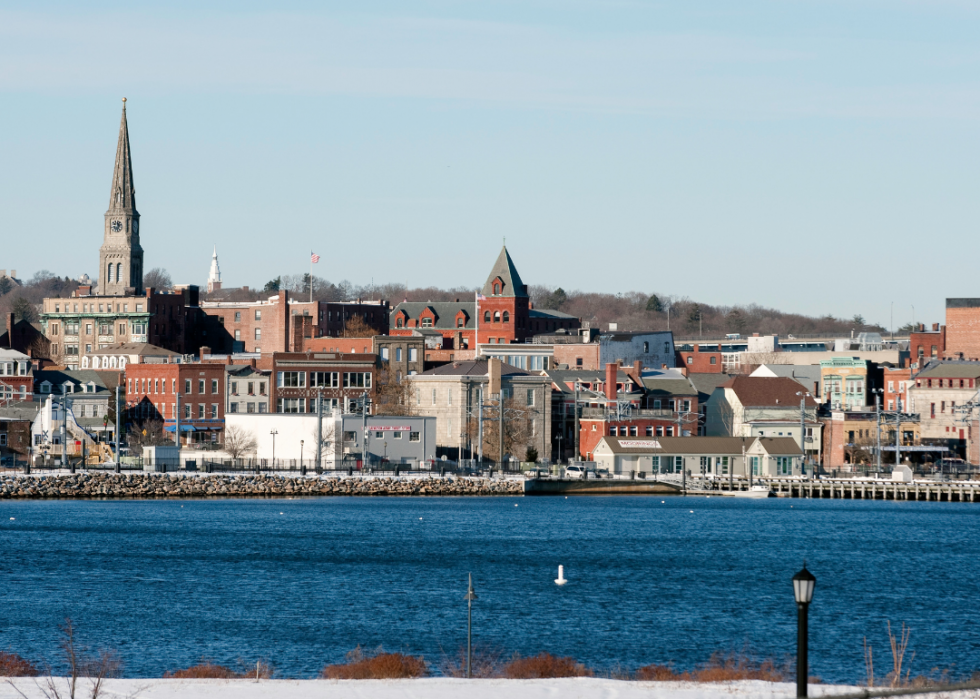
(10, 330)
(611, 381)
(935, 327)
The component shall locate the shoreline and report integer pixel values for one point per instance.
(161, 486)
(430, 687)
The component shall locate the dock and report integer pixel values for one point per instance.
(599, 486)
(856, 489)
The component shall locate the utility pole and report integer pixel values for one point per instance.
(364, 434)
(117, 430)
(898, 439)
(274, 433)
(575, 456)
(319, 429)
(500, 428)
(479, 420)
(878, 433)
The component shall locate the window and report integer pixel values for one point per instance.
(137, 329)
(496, 316)
(396, 435)
(712, 360)
(187, 411)
(460, 322)
(449, 396)
(433, 396)
(891, 405)
(633, 431)
(290, 405)
(261, 388)
(384, 354)
(258, 314)
(690, 360)
(324, 379)
(200, 411)
(670, 431)
(258, 334)
(214, 386)
(200, 386)
(486, 316)
(214, 411)
(660, 431)
(357, 379)
(71, 328)
(649, 433)
(262, 408)
(754, 463)
(379, 435)
(3, 439)
(398, 323)
(238, 316)
(413, 354)
(234, 388)
(427, 322)
(238, 336)
(88, 328)
(413, 437)
(398, 354)
(54, 329)
(506, 317)
(496, 289)
(614, 431)
(530, 397)
(187, 386)
(233, 407)
(578, 361)
(291, 379)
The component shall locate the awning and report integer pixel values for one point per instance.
(183, 428)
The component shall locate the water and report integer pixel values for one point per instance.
(301, 582)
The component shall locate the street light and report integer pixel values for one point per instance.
(274, 433)
(803, 583)
(470, 596)
(302, 468)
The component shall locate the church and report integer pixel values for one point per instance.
(120, 310)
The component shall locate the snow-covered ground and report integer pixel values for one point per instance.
(432, 688)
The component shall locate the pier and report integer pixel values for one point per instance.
(850, 489)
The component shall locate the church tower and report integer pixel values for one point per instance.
(121, 256)
(214, 278)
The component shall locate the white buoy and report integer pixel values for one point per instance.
(11, 519)
(515, 504)
(561, 576)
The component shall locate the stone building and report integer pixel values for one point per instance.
(451, 393)
(940, 394)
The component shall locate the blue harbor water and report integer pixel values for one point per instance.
(300, 582)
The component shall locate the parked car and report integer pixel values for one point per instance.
(574, 471)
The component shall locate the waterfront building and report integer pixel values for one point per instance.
(715, 457)
(194, 391)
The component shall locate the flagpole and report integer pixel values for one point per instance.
(311, 277)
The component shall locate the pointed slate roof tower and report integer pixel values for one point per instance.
(121, 255)
(509, 283)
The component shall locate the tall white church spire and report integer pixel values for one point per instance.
(214, 278)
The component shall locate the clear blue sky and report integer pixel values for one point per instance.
(820, 157)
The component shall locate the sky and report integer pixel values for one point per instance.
(799, 154)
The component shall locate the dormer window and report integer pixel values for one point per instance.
(45, 387)
(427, 322)
(460, 322)
(496, 288)
(399, 323)
(67, 388)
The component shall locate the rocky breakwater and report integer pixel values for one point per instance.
(149, 485)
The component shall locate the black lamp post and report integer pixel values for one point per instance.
(470, 596)
(803, 583)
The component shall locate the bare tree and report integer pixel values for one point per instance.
(158, 278)
(148, 433)
(97, 667)
(356, 327)
(328, 436)
(517, 429)
(392, 397)
(239, 442)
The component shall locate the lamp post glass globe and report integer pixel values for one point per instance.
(803, 583)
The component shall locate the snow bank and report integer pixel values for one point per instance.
(431, 688)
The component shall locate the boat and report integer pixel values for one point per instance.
(756, 491)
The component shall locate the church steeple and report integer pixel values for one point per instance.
(123, 195)
(121, 255)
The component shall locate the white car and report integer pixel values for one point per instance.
(574, 471)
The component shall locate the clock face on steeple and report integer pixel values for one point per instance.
(116, 226)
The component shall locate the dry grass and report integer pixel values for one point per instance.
(377, 666)
(12, 665)
(486, 663)
(204, 671)
(542, 666)
(720, 668)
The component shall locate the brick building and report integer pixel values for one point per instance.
(895, 387)
(962, 329)
(154, 392)
(500, 314)
(282, 323)
(927, 345)
(25, 337)
(701, 359)
(342, 380)
(939, 395)
(850, 439)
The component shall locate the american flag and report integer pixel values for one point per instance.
(314, 258)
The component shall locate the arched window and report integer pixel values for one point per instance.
(506, 317)
(122, 363)
(486, 316)
(85, 363)
(112, 362)
(108, 276)
(96, 363)
(118, 271)
(496, 289)
(460, 322)
(398, 323)
(496, 316)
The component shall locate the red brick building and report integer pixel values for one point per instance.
(700, 359)
(895, 386)
(285, 324)
(500, 314)
(16, 376)
(298, 377)
(927, 345)
(154, 391)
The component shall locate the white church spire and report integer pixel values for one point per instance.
(214, 278)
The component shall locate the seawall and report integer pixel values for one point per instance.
(151, 486)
